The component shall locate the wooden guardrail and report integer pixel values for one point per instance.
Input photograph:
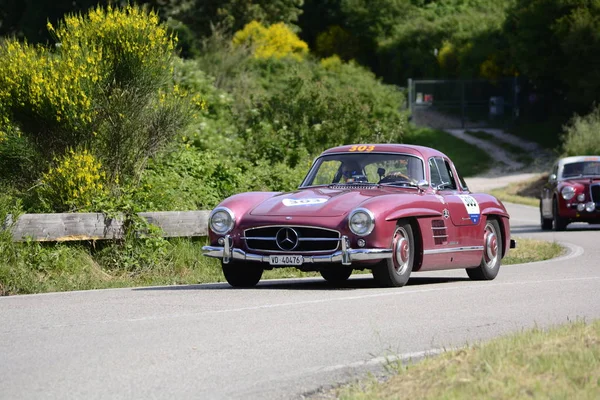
(96, 226)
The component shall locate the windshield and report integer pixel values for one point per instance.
(360, 168)
(584, 168)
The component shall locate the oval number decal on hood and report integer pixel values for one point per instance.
(303, 202)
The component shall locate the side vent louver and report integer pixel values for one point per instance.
(438, 227)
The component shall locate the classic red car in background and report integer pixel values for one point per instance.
(572, 193)
(393, 209)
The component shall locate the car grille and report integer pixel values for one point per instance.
(595, 193)
(292, 239)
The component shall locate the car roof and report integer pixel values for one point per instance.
(419, 151)
(573, 159)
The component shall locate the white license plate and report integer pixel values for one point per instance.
(285, 260)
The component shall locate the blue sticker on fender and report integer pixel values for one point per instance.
(472, 207)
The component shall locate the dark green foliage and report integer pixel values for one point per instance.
(231, 15)
(311, 108)
(556, 43)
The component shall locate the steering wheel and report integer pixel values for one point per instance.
(395, 177)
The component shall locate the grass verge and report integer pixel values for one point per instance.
(558, 363)
(468, 159)
(518, 153)
(41, 268)
(526, 192)
(531, 250)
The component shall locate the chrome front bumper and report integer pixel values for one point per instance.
(345, 256)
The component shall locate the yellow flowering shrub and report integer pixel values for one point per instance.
(275, 41)
(126, 42)
(448, 58)
(107, 84)
(73, 182)
(332, 63)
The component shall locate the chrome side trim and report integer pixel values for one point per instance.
(453, 250)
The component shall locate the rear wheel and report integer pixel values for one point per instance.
(395, 271)
(560, 224)
(545, 222)
(336, 274)
(492, 253)
(242, 274)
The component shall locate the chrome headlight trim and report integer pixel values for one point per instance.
(568, 192)
(221, 220)
(369, 221)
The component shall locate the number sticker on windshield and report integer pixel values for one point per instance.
(362, 148)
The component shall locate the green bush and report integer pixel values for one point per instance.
(582, 135)
(192, 179)
(313, 107)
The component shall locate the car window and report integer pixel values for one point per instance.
(436, 179)
(441, 174)
(327, 172)
(374, 168)
(451, 177)
(583, 168)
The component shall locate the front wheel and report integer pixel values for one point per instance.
(242, 274)
(336, 274)
(560, 224)
(395, 271)
(545, 222)
(490, 261)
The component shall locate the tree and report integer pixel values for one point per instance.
(232, 15)
(555, 43)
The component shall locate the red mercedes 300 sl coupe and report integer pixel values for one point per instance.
(393, 209)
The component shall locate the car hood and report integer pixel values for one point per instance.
(316, 202)
(580, 181)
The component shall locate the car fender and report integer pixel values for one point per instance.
(412, 212)
(494, 210)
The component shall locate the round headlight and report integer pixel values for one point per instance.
(361, 221)
(221, 220)
(568, 192)
(590, 207)
(581, 197)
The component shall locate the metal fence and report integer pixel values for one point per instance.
(462, 103)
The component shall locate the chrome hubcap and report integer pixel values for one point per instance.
(490, 240)
(401, 251)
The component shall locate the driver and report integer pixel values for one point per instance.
(349, 170)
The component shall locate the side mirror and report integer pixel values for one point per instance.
(552, 178)
(422, 185)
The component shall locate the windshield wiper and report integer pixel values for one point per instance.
(402, 183)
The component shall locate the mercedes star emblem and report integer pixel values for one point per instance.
(287, 239)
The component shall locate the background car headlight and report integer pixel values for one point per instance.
(590, 207)
(581, 197)
(568, 192)
(361, 221)
(221, 220)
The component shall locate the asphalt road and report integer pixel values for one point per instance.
(284, 339)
